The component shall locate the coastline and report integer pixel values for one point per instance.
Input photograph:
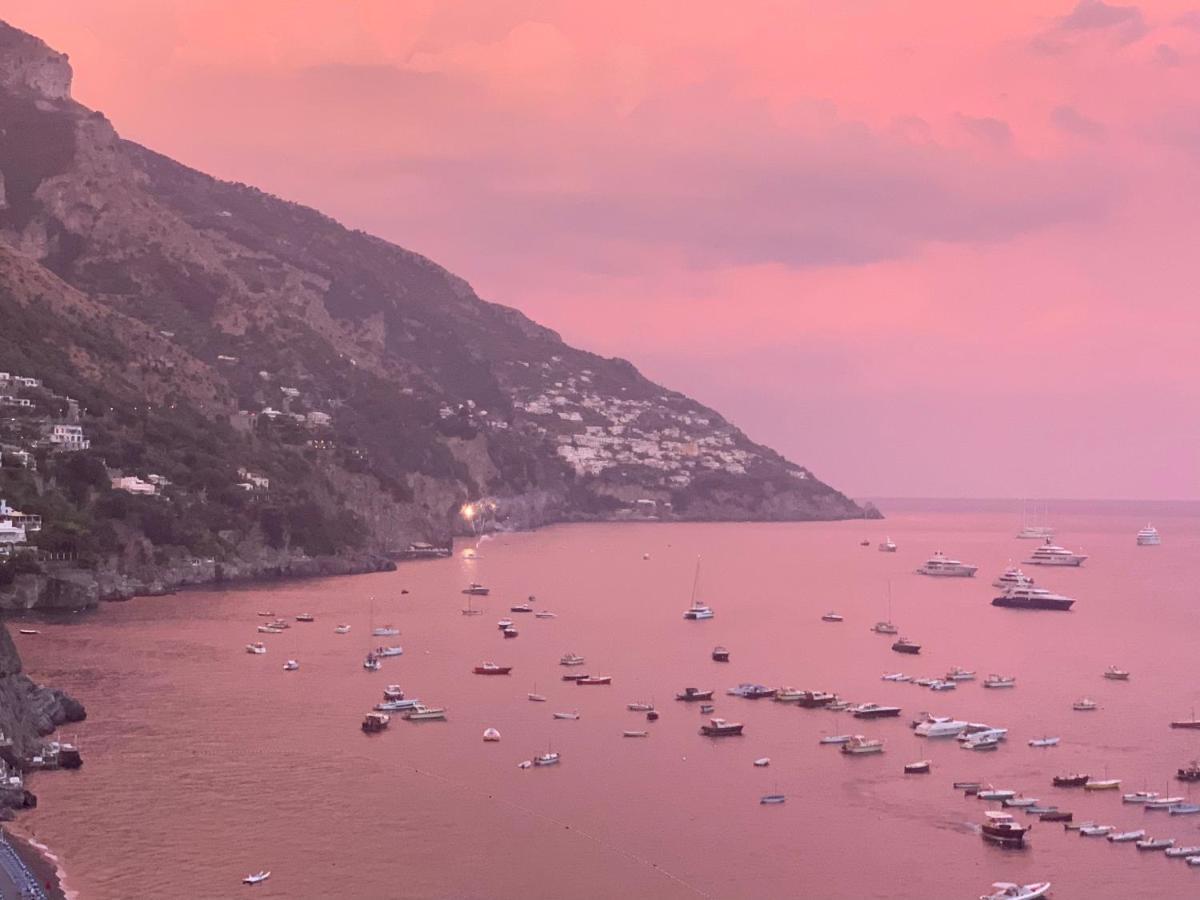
(42, 862)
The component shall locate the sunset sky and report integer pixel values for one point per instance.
(925, 249)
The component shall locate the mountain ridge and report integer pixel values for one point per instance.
(196, 329)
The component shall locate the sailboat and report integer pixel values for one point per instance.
(887, 627)
(535, 696)
(469, 610)
(697, 610)
(1033, 532)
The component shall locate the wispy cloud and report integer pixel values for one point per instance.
(1072, 121)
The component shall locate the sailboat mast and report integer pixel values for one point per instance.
(696, 581)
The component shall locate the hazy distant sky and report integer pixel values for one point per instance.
(943, 249)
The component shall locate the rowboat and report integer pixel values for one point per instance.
(256, 878)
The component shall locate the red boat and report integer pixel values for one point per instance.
(595, 679)
(489, 668)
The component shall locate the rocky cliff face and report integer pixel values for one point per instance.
(207, 328)
(28, 712)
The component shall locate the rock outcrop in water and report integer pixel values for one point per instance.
(298, 391)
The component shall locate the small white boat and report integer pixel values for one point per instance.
(257, 647)
(1183, 852)
(1020, 802)
(858, 745)
(832, 617)
(943, 686)
(1127, 837)
(1007, 890)
(639, 707)
(1084, 705)
(256, 878)
(385, 631)
(1000, 681)
(885, 628)
(371, 664)
(1096, 830)
(836, 739)
(547, 759)
(996, 794)
(888, 546)
(291, 666)
(342, 629)
(566, 715)
(635, 734)
(1044, 742)
(1139, 797)
(958, 673)
(535, 697)
(268, 629)
(895, 676)
(383, 652)
(1103, 784)
(1113, 673)
(1148, 537)
(28, 631)
(1158, 802)
(491, 735)
(771, 799)
(764, 761)
(393, 692)
(567, 659)
(1156, 844)
(525, 764)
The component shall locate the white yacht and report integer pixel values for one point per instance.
(698, 611)
(1050, 554)
(888, 546)
(1012, 577)
(940, 726)
(940, 564)
(1148, 537)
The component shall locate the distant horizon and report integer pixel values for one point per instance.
(910, 273)
(877, 500)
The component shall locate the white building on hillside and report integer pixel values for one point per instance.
(68, 437)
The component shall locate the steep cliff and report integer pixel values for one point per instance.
(209, 332)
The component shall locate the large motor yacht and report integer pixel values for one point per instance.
(1032, 598)
(1012, 577)
(1050, 554)
(940, 564)
(1148, 537)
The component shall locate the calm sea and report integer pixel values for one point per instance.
(205, 763)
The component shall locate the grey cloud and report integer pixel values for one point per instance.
(1123, 24)
(985, 128)
(1072, 121)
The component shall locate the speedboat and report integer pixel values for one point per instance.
(574, 676)
(639, 707)
(491, 735)
(996, 794)
(291, 665)
(751, 691)
(1050, 554)
(940, 726)
(721, 728)
(256, 878)
(1148, 537)
(836, 739)
(1156, 844)
(383, 652)
(545, 614)
(1112, 673)
(305, 617)
(268, 629)
(1012, 577)
(422, 713)
(1002, 828)
(521, 608)
(490, 668)
(375, 721)
(1127, 837)
(509, 632)
(885, 628)
(895, 676)
(594, 679)
(938, 685)
(342, 629)
(957, 673)
(393, 692)
(258, 647)
(817, 699)
(1000, 681)
(635, 734)
(832, 617)
(385, 631)
(859, 745)
(981, 742)
(698, 611)
(372, 663)
(1096, 830)
(1007, 890)
(572, 716)
(397, 705)
(1044, 742)
(942, 566)
(771, 799)
(1175, 852)
(887, 546)
(763, 762)
(1085, 704)
(504, 623)
(570, 659)
(874, 711)
(904, 645)
(982, 730)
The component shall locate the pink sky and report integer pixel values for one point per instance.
(924, 249)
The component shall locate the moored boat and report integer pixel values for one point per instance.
(1072, 780)
(1012, 577)
(1000, 681)
(721, 728)
(887, 546)
(1057, 815)
(491, 735)
(885, 628)
(1148, 537)
(291, 666)
(1007, 890)
(918, 768)
(342, 629)
(635, 734)
(1032, 598)
(1001, 828)
(940, 565)
(1184, 809)
(422, 713)
(1126, 837)
(720, 654)
(1112, 673)
(831, 617)
(305, 617)
(258, 648)
(594, 679)
(1085, 704)
(384, 631)
(490, 668)
(1044, 742)
(859, 745)
(771, 799)
(1050, 554)
(571, 659)
(476, 590)
(1103, 784)
(692, 695)
(547, 759)
(904, 645)
(1096, 830)
(384, 652)
(570, 716)
(1177, 852)
(375, 721)
(816, 699)
(1156, 844)
(836, 739)
(750, 691)
(1190, 772)
(256, 878)
(874, 711)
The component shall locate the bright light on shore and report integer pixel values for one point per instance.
(468, 511)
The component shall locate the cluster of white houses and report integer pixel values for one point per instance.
(15, 528)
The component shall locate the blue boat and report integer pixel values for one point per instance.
(1183, 809)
